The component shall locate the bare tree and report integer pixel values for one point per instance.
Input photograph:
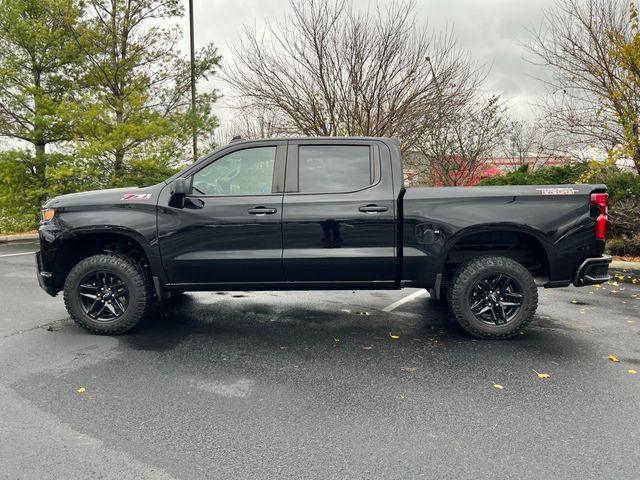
(456, 144)
(585, 104)
(530, 143)
(329, 70)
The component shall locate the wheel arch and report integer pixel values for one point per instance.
(80, 244)
(525, 245)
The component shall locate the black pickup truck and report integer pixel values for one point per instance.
(325, 214)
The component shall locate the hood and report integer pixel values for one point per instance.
(148, 195)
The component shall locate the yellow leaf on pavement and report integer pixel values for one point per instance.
(395, 337)
(613, 358)
(542, 375)
(82, 390)
(498, 386)
(632, 371)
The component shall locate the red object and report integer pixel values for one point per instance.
(600, 200)
(461, 172)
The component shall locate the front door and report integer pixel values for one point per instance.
(229, 230)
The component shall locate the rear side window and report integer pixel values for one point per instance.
(334, 168)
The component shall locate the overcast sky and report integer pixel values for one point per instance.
(493, 31)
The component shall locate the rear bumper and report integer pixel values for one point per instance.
(45, 279)
(593, 270)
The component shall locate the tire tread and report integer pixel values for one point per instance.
(465, 275)
(132, 270)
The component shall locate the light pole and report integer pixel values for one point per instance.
(194, 126)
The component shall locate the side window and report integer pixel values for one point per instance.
(334, 168)
(243, 172)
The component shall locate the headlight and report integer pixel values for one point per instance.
(48, 214)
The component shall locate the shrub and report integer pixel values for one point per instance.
(623, 185)
(624, 217)
(626, 246)
(557, 175)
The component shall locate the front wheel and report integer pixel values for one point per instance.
(106, 294)
(493, 297)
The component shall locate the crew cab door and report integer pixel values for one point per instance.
(339, 219)
(229, 230)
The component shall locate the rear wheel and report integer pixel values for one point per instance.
(106, 294)
(493, 297)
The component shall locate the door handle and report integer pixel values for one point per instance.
(262, 211)
(372, 208)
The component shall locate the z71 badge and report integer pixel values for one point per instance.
(135, 196)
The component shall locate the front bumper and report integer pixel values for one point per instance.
(45, 279)
(593, 270)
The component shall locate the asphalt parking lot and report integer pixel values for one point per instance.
(324, 385)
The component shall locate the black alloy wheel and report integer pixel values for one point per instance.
(496, 299)
(103, 296)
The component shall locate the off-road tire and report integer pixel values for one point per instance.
(129, 272)
(471, 273)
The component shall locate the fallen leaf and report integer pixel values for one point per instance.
(597, 286)
(613, 358)
(408, 369)
(336, 339)
(542, 375)
(498, 386)
(632, 371)
(395, 337)
(615, 284)
(82, 390)
(574, 301)
(631, 321)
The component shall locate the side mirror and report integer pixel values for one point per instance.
(179, 190)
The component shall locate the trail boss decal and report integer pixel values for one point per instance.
(558, 191)
(135, 196)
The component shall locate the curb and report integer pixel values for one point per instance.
(619, 264)
(18, 238)
(625, 272)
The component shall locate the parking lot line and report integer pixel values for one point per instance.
(404, 300)
(16, 254)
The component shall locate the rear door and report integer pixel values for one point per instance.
(339, 219)
(229, 231)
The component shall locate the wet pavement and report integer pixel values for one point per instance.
(316, 385)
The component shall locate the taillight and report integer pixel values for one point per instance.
(600, 201)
